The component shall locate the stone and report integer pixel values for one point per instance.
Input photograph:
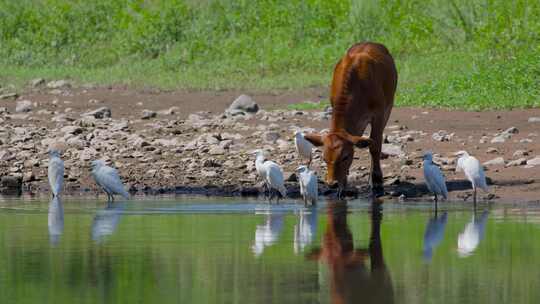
(525, 141)
(271, 136)
(499, 161)
(147, 114)
(205, 173)
(23, 106)
(88, 154)
(99, 113)
(518, 162)
(11, 184)
(534, 119)
(37, 82)
(511, 130)
(520, 153)
(216, 150)
(492, 150)
(498, 139)
(9, 96)
(58, 84)
(71, 130)
(392, 150)
(442, 135)
(243, 103)
(534, 161)
(169, 111)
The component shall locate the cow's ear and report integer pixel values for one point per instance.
(315, 138)
(360, 141)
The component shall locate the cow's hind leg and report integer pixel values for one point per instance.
(377, 128)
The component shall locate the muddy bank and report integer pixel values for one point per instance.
(188, 143)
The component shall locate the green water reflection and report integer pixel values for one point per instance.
(247, 252)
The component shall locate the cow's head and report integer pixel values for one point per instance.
(338, 152)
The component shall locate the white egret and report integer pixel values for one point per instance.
(473, 171)
(305, 230)
(259, 167)
(434, 234)
(55, 220)
(106, 221)
(308, 185)
(303, 146)
(272, 174)
(434, 178)
(471, 236)
(55, 172)
(108, 179)
(268, 233)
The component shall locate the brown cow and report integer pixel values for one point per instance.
(351, 281)
(363, 88)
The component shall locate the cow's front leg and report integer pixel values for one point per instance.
(376, 180)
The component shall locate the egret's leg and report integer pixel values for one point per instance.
(474, 197)
(436, 201)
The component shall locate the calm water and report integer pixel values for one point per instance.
(192, 250)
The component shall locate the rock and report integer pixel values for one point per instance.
(11, 184)
(29, 177)
(271, 137)
(442, 135)
(498, 139)
(216, 150)
(99, 113)
(243, 103)
(391, 150)
(520, 153)
(205, 173)
(484, 139)
(71, 130)
(9, 96)
(59, 84)
(518, 162)
(511, 130)
(36, 82)
(534, 161)
(499, 161)
(88, 154)
(492, 150)
(23, 106)
(534, 119)
(525, 141)
(169, 111)
(147, 114)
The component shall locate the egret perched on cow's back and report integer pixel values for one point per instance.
(434, 178)
(434, 234)
(108, 179)
(473, 171)
(303, 146)
(308, 185)
(55, 172)
(471, 236)
(272, 175)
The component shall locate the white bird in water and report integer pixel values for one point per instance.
(272, 175)
(434, 178)
(55, 220)
(305, 230)
(434, 234)
(268, 233)
(308, 185)
(471, 236)
(106, 221)
(55, 172)
(473, 171)
(303, 146)
(108, 179)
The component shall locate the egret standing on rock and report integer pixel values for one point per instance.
(434, 178)
(303, 147)
(272, 175)
(108, 179)
(473, 171)
(308, 185)
(55, 172)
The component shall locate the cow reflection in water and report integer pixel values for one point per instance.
(351, 281)
(106, 221)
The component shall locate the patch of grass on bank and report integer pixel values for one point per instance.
(309, 105)
(472, 54)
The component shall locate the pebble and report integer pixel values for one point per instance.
(499, 161)
(147, 114)
(534, 119)
(23, 106)
(518, 162)
(534, 161)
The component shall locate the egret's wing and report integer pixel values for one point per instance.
(274, 175)
(56, 174)
(109, 179)
(312, 187)
(438, 180)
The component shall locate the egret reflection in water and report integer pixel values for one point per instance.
(351, 280)
(434, 234)
(305, 230)
(268, 233)
(473, 233)
(55, 220)
(106, 221)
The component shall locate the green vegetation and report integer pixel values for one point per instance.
(472, 54)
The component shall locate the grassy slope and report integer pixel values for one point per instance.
(462, 54)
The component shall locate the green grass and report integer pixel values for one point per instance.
(472, 54)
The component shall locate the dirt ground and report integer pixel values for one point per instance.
(196, 146)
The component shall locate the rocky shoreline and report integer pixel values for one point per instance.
(208, 152)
